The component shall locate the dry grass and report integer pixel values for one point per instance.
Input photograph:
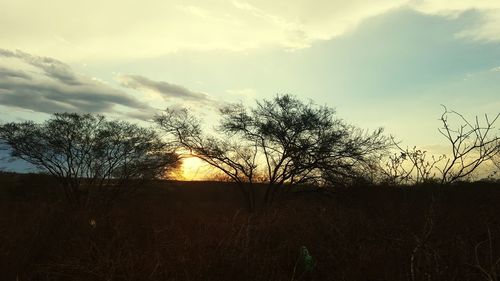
(198, 231)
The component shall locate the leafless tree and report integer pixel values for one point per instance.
(356, 158)
(301, 142)
(472, 144)
(236, 159)
(413, 165)
(282, 141)
(394, 170)
(94, 160)
(496, 162)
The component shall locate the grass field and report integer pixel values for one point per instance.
(201, 231)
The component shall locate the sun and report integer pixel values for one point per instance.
(193, 169)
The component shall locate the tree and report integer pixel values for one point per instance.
(302, 142)
(94, 160)
(407, 166)
(282, 141)
(236, 159)
(472, 144)
(495, 174)
(355, 158)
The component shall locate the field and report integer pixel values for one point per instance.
(201, 231)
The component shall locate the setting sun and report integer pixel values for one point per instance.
(192, 168)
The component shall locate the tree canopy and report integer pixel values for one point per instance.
(92, 158)
(282, 141)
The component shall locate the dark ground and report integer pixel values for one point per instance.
(200, 231)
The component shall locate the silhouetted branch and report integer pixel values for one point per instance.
(279, 141)
(471, 145)
(411, 165)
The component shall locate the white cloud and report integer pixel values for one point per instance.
(118, 29)
(453, 7)
(246, 95)
(488, 29)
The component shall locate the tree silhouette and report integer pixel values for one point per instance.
(472, 144)
(301, 142)
(94, 160)
(410, 166)
(282, 141)
(236, 158)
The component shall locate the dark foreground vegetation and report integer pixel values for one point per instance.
(201, 231)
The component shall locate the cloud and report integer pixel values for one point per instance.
(167, 91)
(43, 84)
(12, 73)
(79, 31)
(487, 28)
(247, 95)
(50, 67)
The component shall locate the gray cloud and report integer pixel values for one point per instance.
(144, 115)
(166, 90)
(51, 67)
(11, 73)
(56, 88)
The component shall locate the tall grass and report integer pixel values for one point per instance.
(201, 231)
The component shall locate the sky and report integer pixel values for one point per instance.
(379, 63)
